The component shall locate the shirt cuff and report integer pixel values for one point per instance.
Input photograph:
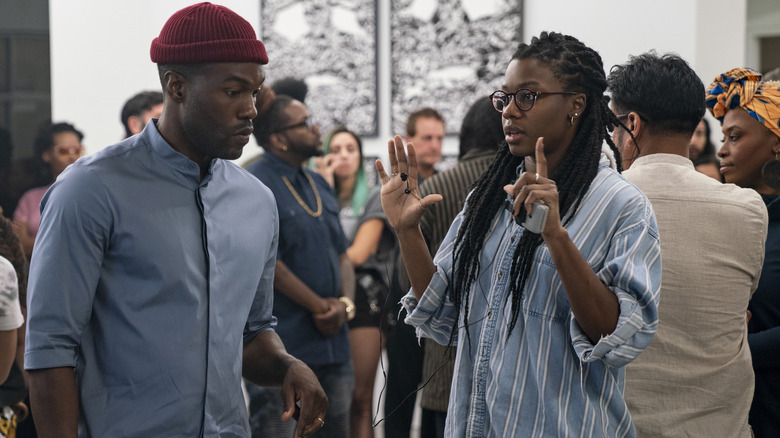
(624, 344)
(54, 357)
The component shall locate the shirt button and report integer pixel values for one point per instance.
(512, 238)
(490, 314)
(500, 275)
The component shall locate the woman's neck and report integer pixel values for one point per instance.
(766, 190)
(346, 187)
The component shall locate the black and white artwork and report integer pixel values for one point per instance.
(448, 53)
(331, 45)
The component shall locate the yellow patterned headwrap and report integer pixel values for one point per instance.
(743, 87)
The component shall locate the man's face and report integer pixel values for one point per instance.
(136, 124)
(427, 141)
(300, 135)
(219, 105)
(152, 113)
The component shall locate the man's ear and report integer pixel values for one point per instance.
(277, 141)
(635, 124)
(175, 85)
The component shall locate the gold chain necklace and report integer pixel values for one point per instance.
(300, 200)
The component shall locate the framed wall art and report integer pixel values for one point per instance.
(448, 53)
(331, 45)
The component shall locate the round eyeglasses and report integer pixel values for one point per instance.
(524, 98)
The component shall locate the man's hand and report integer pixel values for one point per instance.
(329, 323)
(303, 399)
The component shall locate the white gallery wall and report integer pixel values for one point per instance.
(100, 49)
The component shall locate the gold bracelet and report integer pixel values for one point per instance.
(350, 308)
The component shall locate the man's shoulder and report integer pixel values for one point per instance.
(262, 169)
(243, 179)
(110, 159)
(688, 185)
(463, 175)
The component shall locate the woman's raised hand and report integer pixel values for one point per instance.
(325, 167)
(400, 199)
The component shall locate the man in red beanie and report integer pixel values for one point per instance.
(151, 288)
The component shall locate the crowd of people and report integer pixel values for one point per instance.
(593, 265)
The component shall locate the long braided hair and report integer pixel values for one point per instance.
(580, 69)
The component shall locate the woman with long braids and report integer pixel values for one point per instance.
(544, 321)
(749, 111)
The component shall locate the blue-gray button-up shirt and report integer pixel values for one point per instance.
(148, 281)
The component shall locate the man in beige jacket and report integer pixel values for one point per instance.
(696, 377)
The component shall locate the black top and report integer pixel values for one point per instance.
(764, 332)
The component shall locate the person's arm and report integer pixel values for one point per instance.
(330, 322)
(286, 282)
(7, 352)
(76, 221)
(20, 337)
(53, 391)
(11, 317)
(329, 313)
(267, 363)
(403, 211)
(366, 241)
(594, 305)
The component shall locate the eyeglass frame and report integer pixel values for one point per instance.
(308, 123)
(535, 94)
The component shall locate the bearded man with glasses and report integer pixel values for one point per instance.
(314, 280)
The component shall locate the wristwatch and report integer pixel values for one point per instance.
(350, 307)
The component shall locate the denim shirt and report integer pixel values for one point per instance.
(310, 247)
(148, 281)
(547, 379)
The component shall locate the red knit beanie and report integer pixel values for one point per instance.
(207, 33)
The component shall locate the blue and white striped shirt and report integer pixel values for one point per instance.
(548, 379)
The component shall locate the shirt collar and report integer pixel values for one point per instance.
(282, 167)
(671, 159)
(173, 158)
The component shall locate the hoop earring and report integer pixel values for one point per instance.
(571, 120)
(770, 172)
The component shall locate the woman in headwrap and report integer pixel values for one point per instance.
(749, 111)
